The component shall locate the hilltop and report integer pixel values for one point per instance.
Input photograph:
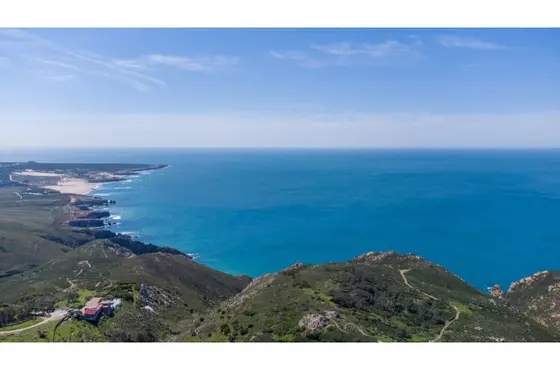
(374, 297)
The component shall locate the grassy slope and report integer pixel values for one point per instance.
(69, 331)
(102, 268)
(373, 303)
(27, 237)
(21, 325)
(101, 263)
(200, 285)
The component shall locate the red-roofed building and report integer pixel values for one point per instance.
(92, 310)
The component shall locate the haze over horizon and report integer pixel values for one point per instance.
(283, 88)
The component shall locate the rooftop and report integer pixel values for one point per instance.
(93, 303)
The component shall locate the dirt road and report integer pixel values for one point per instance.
(56, 315)
(457, 312)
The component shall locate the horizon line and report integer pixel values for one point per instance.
(7, 149)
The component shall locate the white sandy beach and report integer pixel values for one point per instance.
(65, 185)
(72, 186)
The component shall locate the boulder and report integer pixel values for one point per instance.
(313, 322)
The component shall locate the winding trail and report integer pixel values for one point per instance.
(403, 272)
(72, 285)
(338, 326)
(448, 323)
(57, 314)
(362, 331)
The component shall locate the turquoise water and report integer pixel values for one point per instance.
(489, 216)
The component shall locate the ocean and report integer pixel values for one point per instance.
(490, 216)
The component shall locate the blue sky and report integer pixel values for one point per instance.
(281, 87)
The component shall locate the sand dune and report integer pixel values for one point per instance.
(65, 185)
(72, 186)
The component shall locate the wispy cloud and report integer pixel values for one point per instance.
(300, 58)
(348, 53)
(60, 64)
(468, 43)
(60, 78)
(139, 72)
(129, 63)
(192, 64)
(382, 50)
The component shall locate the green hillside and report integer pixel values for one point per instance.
(375, 297)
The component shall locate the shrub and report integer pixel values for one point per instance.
(224, 328)
(313, 336)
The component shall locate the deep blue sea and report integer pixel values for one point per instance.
(490, 216)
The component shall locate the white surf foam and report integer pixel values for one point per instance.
(133, 234)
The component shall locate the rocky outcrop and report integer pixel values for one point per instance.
(154, 296)
(332, 315)
(98, 214)
(520, 284)
(86, 223)
(313, 321)
(100, 234)
(496, 291)
(372, 257)
(93, 202)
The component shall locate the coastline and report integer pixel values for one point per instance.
(90, 209)
(74, 185)
(147, 230)
(64, 184)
